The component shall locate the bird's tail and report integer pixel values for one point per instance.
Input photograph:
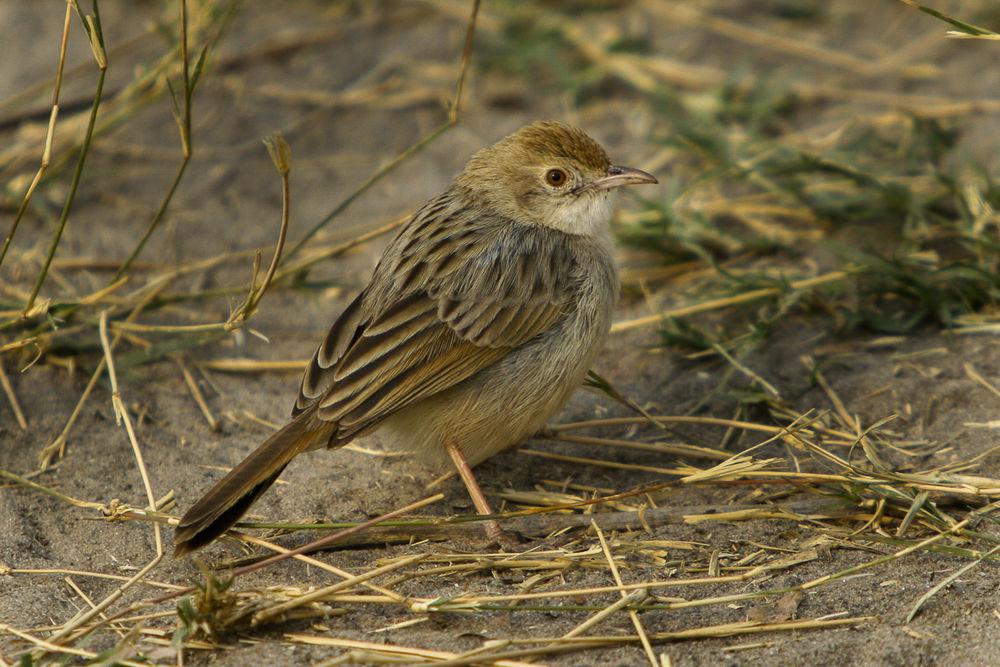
(232, 495)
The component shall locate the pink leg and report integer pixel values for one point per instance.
(493, 530)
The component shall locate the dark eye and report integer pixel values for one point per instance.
(556, 177)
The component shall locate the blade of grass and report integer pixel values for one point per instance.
(92, 24)
(49, 136)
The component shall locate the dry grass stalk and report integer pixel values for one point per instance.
(366, 649)
(947, 581)
(92, 25)
(725, 302)
(976, 377)
(627, 599)
(321, 565)
(687, 419)
(183, 120)
(270, 613)
(57, 448)
(199, 398)
(96, 575)
(604, 463)
(841, 410)
(76, 589)
(50, 647)
(281, 155)
(633, 616)
(252, 365)
(49, 136)
(15, 405)
(339, 535)
(18, 344)
(879, 561)
(689, 451)
(583, 643)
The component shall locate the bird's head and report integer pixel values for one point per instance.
(549, 174)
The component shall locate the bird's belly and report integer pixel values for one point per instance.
(501, 405)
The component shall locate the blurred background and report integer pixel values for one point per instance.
(780, 130)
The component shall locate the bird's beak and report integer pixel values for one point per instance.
(618, 176)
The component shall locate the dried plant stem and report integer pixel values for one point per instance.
(390, 650)
(335, 537)
(689, 451)
(15, 406)
(122, 415)
(688, 419)
(745, 575)
(18, 344)
(976, 377)
(312, 546)
(947, 581)
(208, 263)
(279, 609)
(633, 598)
(841, 410)
(90, 603)
(290, 269)
(636, 623)
(157, 217)
(49, 135)
(665, 419)
(281, 155)
(50, 647)
(93, 26)
(96, 575)
(169, 328)
(252, 365)
(546, 520)
(75, 623)
(199, 398)
(556, 645)
(750, 373)
(314, 256)
(606, 463)
(57, 448)
(819, 581)
(725, 302)
(184, 125)
(320, 564)
(75, 502)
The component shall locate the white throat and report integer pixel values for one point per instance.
(587, 215)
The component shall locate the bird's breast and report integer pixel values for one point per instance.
(507, 402)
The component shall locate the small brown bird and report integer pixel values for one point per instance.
(481, 318)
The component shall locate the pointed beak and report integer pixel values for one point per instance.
(618, 176)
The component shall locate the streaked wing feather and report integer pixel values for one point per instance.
(316, 380)
(418, 382)
(447, 300)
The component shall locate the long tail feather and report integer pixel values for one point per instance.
(232, 495)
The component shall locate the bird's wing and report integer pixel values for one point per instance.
(448, 300)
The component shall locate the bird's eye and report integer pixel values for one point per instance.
(556, 178)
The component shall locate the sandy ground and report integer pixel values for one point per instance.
(230, 201)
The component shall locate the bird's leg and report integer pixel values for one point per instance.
(493, 530)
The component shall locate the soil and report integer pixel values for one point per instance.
(230, 200)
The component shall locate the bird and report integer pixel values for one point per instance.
(482, 316)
